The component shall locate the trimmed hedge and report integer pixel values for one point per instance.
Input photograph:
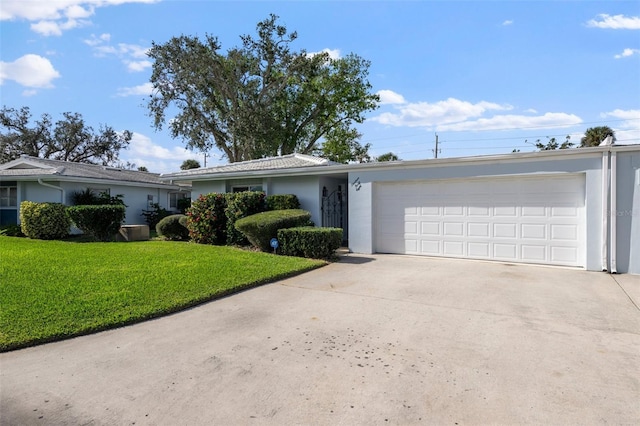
(314, 243)
(262, 227)
(44, 221)
(102, 222)
(239, 205)
(206, 220)
(282, 202)
(173, 227)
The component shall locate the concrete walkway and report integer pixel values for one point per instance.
(371, 340)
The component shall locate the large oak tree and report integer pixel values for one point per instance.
(259, 99)
(69, 139)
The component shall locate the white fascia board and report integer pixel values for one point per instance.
(564, 154)
(58, 178)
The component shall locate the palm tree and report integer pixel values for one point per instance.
(594, 135)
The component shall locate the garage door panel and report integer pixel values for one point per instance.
(505, 230)
(479, 249)
(533, 231)
(453, 248)
(475, 229)
(537, 220)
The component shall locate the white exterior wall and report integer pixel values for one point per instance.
(134, 197)
(207, 187)
(627, 212)
(362, 182)
(306, 188)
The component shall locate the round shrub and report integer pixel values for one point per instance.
(44, 221)
(262, 227)
(173, 227)
(102, 222)
(206, 219)
(282, 202)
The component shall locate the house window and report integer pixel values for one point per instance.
(243, 188)
(174, 198)
(9, 196)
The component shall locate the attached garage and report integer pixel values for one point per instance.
(539, 219)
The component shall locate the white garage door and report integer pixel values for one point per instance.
(532, 220)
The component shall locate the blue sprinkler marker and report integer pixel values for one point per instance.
(274, 243)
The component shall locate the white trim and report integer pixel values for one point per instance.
(614, 213)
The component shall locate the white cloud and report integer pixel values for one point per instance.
(627, 52)
(51, 17)
(390, 97)
(55, 28)
(627, 130)
(136, 66)
(158, 159)
(133, 56)
(30, 71)
(507, 22)
(616, 22)
(515, 122)
(425, 114)
(141, 90)
(531, 110)
(29, 92)
(97, 40)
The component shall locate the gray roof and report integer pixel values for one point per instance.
(291, 161)
(27, 166)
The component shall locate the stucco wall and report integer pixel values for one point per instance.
(627, 212)
(307, 188)
(208, 187)
(134, 197)
(362, 183)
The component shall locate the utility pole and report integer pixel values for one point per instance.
(205, 158)
(435, 151)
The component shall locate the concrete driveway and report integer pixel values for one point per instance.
(372, 340)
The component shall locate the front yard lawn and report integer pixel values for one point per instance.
(51, 290)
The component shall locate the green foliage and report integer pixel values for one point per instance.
(190, 164)
(206, 219)
(282, 202)
(102, 222)
(262, 227)
(239, 205)
(183, 204)
(389, 156)
(44, 221)
(341, 145)
(173, 227)
(70, 139)
(260, 99)
(53, 290)
(593, 136)
(87, 197)
(315, 243)
(155, 215)
(553, 143)
(11, 231)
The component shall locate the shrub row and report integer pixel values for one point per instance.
(212, 217)
(262, 227)
(315, 243)
(49, 221)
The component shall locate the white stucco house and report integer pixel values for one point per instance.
(43, 180)
(576, 207)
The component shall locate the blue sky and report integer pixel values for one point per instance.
(484, 75)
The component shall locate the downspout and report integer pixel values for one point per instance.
(605, 213)
(614, 213)
(62, 195)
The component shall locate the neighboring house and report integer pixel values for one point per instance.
(576, 207)
(42, 180)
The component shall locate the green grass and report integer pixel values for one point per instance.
(50, 290)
